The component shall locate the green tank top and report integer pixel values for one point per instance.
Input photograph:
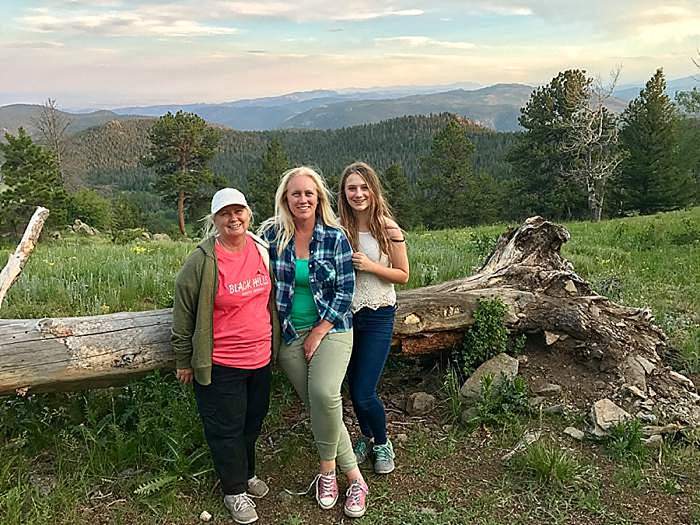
(304, 312)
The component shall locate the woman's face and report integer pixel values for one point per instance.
(232, 221)
(357, 193)
(302, 197)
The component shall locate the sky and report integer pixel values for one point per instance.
(108, 53)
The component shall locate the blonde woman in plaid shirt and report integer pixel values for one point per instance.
(312, 262)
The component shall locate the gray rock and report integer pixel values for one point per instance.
(420, 403)
(499, 367)
(549, 389)
(646, 417)
(574, 433)
(160, 237)
(648, 366)
(681, 379)
(606, 414)
(83, 229)
(205, 516)
(655, 441)
(554, 410)
(634, 373)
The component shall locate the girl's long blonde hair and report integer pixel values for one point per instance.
(379, 209)
(282, 223)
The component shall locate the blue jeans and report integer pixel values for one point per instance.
(372, 331)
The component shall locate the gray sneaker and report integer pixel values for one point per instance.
(257, 488)
(242, 508)
(384, 458)
(362, 449)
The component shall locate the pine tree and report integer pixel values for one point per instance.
(651, 180)
(33, 179)
(444, 189)
(262, 183)
(540, 158)
(180, 149)
(401, 196)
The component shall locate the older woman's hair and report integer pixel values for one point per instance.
(379, 209)
(283, 220)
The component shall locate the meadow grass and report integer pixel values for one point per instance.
(137, 454)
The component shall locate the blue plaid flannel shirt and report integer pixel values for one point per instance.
(331, 278)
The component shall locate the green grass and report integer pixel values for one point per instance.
(137, 453)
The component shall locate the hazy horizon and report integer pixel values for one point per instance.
(112, 53)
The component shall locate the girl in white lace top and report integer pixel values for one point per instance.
(380, 261)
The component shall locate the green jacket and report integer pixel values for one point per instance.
(192, 335)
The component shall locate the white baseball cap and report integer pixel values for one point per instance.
(225, 197)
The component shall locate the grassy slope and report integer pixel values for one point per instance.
(77, 458)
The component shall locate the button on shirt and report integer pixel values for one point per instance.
(331, 278)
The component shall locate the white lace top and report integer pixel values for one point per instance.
(372, 291)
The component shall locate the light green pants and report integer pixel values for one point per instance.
(318, 384)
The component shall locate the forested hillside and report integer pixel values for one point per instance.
(108, 156)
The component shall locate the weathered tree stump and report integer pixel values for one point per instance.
(526, 271)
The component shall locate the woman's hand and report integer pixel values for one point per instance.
(361, 262)
(184, 375)
(311, 343)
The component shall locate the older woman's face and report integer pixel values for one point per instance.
(232, 221)
(302, 197)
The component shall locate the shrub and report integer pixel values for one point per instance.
(91, 208)
(548, 465)
(499, 404)
(487, 337)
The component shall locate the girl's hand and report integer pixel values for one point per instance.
(361, 262)
(311, 343)
(184, 375)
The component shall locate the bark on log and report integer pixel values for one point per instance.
(526, 271)
(25, 247)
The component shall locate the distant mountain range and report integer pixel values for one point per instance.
(14, 116)
(496, 107)
(629, 91)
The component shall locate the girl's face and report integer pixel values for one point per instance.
(302, 197)
(357, 193)
(232, 221)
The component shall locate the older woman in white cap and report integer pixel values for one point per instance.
(224, 329)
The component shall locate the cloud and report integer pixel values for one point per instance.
(424, 41)
(121, 23)
(316, 10)
(33, 45)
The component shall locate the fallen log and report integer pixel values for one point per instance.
(526, 271)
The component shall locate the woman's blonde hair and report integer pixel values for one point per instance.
(283, 220)
(379, 209)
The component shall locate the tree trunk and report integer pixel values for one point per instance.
(542, 293)
(17, 260)
(181, 212)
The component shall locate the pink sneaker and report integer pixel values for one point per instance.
(356, 499)
(326, 490)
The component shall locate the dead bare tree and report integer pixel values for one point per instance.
(52, 124)
(593, 140)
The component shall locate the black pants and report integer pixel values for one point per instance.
(232, 409)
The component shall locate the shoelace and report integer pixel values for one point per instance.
(242, 501)
(361, 448)
(326, 485)
(355, 492)
(324, 478)
(383, 453)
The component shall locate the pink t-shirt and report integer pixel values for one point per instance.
(242, 330)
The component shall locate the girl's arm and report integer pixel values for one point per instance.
(398, 272)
